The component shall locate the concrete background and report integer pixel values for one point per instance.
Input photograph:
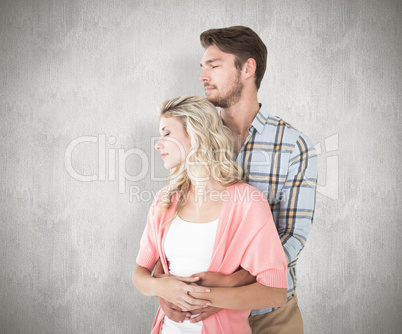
(97, 70)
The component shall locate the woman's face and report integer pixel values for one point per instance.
(174, 143)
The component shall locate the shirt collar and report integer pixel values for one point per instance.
(259, 120)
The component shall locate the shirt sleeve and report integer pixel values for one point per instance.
(298, 199)
(264, 256)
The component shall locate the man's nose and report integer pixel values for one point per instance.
(204, 77)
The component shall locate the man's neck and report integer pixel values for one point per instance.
(239, 116)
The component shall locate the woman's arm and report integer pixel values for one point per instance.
(174, 289)
(253, 296)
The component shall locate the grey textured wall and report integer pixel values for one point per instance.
(97, 70)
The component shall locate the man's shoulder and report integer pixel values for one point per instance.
(287, 132)
(295, 141)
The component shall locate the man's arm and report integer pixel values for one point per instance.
(174, 289)
(246, 297)
(240, 277)
(207, 279)
(298, 199)
(211, 279)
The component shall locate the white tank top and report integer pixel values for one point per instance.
(188, 249)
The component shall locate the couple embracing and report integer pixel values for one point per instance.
(221, 242)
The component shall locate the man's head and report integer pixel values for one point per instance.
(243, 43)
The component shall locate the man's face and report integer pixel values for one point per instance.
(222, 80)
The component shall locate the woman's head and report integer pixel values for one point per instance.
(195, 143)
(174, 143)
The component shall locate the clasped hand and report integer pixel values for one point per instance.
(177, 290)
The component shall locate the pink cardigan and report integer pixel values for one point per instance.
(246, 237)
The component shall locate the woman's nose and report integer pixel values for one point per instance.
(158, 145)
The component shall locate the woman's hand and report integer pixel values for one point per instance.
(175, 289)
(171, 311)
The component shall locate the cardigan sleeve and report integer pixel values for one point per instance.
(148, 252)
(264, 256)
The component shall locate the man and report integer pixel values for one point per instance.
(276, 158)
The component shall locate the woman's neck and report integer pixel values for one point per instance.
(205, 187)
(203, 192)
(203, 202)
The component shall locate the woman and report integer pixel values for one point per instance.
(206, 219)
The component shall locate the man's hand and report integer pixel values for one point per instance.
(205, 312)
(172, 311)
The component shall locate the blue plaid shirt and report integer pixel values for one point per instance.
(282, 163)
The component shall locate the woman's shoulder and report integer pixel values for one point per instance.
(162, 195)
(242, 184)
(244, 192)
(245, 199)
(248, 205)
(158, 210)
(158, 197)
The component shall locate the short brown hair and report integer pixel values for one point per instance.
(243, 43)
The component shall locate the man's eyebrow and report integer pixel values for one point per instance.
(209, 61)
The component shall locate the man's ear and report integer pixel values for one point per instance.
(250, 66)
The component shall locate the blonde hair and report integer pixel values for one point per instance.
(211, 151)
